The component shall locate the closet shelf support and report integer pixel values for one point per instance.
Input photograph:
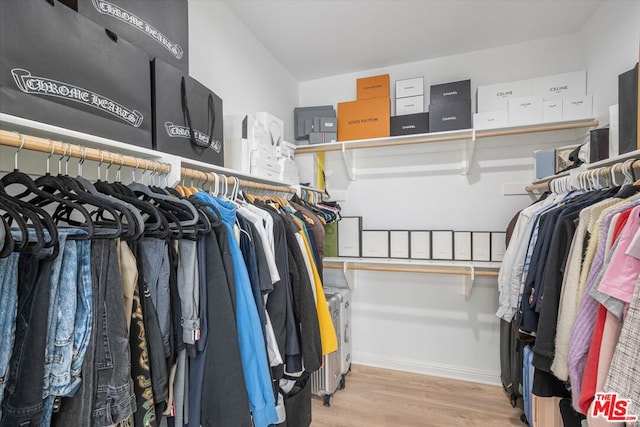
(468, 282)
(467, 155)
(349, 162)
(349, 275)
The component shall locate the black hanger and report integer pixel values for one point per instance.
(112, 227)
(6, 240)
(155, 224)
(203, 225)
(10, 217)
(17, 177)
(24, 213)
(182, 215)
(213, 218)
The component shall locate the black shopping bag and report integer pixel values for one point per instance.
(159, 27)
(187, 116)
(59, 68)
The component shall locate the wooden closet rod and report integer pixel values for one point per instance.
(414, 270)
(44, 145)
(246, 184)
(603, 171)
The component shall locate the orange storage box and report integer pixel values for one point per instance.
(373, 87)
(363, 119)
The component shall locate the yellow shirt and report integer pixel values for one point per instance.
(328, 335)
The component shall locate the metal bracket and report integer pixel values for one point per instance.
(349, 162)
(349, 275)
(173, 177)
(469, 151)
(468, 282)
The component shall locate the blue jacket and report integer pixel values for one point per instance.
(253, 352)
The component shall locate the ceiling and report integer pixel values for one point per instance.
(320, 38)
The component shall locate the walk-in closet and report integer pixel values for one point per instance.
(313, 213)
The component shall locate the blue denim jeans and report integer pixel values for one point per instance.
(114, 398)
(9, 304)
(70, 319)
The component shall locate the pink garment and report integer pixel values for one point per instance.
(619, 280)
(610, 335)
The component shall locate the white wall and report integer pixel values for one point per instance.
(226, 57)
(610, 39)
(420, 322)
(513, 62)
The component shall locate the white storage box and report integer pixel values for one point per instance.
(410, 105)
(375, 244)
(349, 228)
(481, 246)
(244, 136)
(265, 173)
(273, 126)
(498, 245)
(399, 244)
(491, 120)
(264, 164)
(552, 110)
(566, 84)
(526, 110)
(420, 244)
(577, 108)
(462, 245)
(495, 97)
(286, 150)
(442, 245)
(267, 169)
(289, 171)
(410, 87)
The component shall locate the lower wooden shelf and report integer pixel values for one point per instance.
(468, 269)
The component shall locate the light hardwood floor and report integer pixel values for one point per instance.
(376, 397)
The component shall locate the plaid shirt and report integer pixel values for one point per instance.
(624, 373)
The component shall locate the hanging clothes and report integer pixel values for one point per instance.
(566, 281)
(176, 307)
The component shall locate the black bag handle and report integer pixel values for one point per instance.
(211, 119)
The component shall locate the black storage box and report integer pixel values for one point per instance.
(410, 124)
(451, 92)
(59, 68)
(628, 110)
(450, 116)
(160, 28)
(598, 145)
(187, 116)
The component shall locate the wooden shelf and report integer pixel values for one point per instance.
(618, 159)
(457, 135)
(423, 138)
(462, 141)
(543, 184)
(469, 269)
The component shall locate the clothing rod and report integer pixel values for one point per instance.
(414, 270)
(246, 184)
(44, 145)
(602, 171)
(313, 190)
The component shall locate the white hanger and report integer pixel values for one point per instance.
(626, 171)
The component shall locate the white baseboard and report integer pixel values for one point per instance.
(435, 369)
